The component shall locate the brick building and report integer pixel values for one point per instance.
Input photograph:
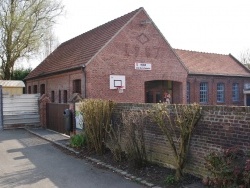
(129, 60)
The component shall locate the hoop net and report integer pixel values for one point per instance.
(120, 89)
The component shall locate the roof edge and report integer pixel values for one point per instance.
(56, 72)
(237, 61)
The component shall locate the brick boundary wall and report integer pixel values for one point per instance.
(220, 127)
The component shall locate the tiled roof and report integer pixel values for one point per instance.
(211, 64)
(79, 50)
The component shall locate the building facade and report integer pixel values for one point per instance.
(129, 60)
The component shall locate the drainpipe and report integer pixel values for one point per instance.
(84, 81)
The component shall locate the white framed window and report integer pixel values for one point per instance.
(235, 92)
(220, 92)
(203, 92)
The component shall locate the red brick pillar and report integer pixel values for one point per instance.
(44, 99)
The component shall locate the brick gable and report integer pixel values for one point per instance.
(78, 51)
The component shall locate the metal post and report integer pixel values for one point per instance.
(1, 108)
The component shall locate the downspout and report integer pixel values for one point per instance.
(84, 81)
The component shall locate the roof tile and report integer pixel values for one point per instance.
(211, 64)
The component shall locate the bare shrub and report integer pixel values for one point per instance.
(97, 116)
(134, 127)
(114, 142)
(177, 123)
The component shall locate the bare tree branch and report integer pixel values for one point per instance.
(245, 58)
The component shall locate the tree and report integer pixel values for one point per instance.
(23, 27)
(20, 73)
(49, 44)
(245, 58)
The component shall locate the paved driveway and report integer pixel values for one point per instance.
(29, 161)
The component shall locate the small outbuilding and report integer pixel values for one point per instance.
(12, 87)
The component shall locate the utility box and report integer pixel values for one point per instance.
(68, 121)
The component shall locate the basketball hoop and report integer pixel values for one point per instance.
(120, 89)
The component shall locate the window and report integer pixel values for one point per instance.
(77, 86)
(60, 99)
(158, 97)
(52, 96)
(235, 92)
(203, 92)
(35, 89)
(29, 90)
(65, 96)
(42, 89)
(188, 92)
(220, 92)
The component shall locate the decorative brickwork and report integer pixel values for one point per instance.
(220, 127)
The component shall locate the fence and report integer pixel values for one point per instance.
(54, 117)
(20, 110)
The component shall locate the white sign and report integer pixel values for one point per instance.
(143, 66)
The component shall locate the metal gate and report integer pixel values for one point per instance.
(19, 110)
(54, 117)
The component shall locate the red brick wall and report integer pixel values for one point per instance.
(135, 43)
(212, 88)
(220, 127)
(58, 82)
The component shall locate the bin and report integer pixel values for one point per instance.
(68, 123)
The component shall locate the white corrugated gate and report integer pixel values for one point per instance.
(20, 110)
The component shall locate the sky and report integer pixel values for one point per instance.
(213, 26)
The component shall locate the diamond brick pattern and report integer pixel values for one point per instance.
(142, 38)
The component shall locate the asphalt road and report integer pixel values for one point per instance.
(29, 161)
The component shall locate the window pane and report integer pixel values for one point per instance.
(235, 92)
(203, 92)
(35, 89)
(65, 96)
(220, 92)
(52, 96)
(42, 89)
(77, 86)
(29, 90)
(60, 100)
(188, 92)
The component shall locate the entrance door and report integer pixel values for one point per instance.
(248, 99)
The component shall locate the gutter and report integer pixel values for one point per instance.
(218, 75)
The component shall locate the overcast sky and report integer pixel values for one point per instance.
(215, 26)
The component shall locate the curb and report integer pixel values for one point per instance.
(98, 162)
(52, 141)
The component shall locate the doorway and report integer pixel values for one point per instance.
(154, 90)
